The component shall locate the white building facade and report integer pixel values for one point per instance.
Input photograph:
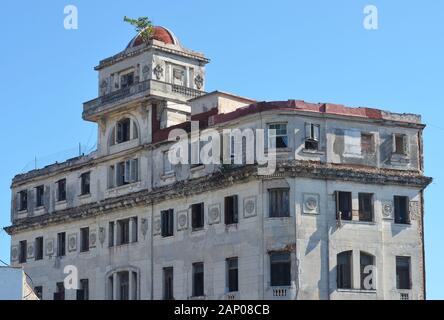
(341, 217)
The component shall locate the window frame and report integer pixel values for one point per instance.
(232, 264)
(283, 209)
(312, 136)
(167, 223)
(84, 239)
(404, 219)
(408, 261)
(201, 214)
(85, 183)
(282, 261)
(344, 278)
(231, 209)
(362, 213)
(285, 137)
(198, 289)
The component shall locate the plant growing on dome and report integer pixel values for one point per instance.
(143, 27)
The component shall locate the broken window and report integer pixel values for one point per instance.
(197, 216)
(60, 291)
(168, 281)
(232, 275)
(279, 139)
(39, 191)
(39, 248)
(279, 203)
(61, 190)
(83, 291)
(85, 183)
(84, 239)
(280, 269)
(127, 80)
(231, 210)
(367, 143)
(23, 246)
(23, 200)
(123, 129)
(366, 262)
(400, 144)
(365, 207)
(38, 290)
(198, 279)
(402, 215)
(312, 133)
(343, 205)
(344, 270)
(403, 277)
(61, 244)
(167, 166)
(167, 222)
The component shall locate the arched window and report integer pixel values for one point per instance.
(344, 270)
(124, 130)
(123, 284)
(367, 263)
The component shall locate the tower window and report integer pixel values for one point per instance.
(85, 183)
(402, 210)
(39, 195)
(127, 80)
(123, 130)
(61, 190)
(23, 200)
(312, 132)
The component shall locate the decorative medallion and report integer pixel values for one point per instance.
(387, 209)
(14, 253)
(198, 80)
(311, 203)
(250, 207)
(214, 214)
(72, 242)
(182, 220)
(158, 72)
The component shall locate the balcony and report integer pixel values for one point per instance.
(96, 107)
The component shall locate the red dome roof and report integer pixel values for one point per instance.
(160, 34)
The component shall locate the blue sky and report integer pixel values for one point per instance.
(313, 50)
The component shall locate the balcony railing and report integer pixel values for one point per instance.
(137, 90)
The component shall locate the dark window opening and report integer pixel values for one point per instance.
(38, 290)
(83, 291)
(85, 183)
(61, 190)
(123, 128)
(280, 269)
(280, 138)
(343, 205)
(365, 207)
(231, 210)
(84, 239)
(127, 80)
(279, 203)
(167, 222)
(61, 244)
(232, 275)
(403, 277)
(344, 270)
(23, 200)
(40, 190)
(168, 281)
(123, 231)
(197, 216)
(60, 291)
(23, 245)
(402, 215)
(39, 248)
(198, 279)
(111, 234)
(312, 132)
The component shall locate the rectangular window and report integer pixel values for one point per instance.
(39, 191)
(344, 270)
(231, 210)
(111, 234)
(168, 281)
(279, 139)
(198, 279)
(232, 275)
(83, 291)
(127, 80)
(23, 200)
(365, 207)
(279, 205)
(60, 291)
(367, 143)
(197, 216)
(403, 277)
(39, 248)
(123, 128)
(134, 229)
(400, 144)
(84, 239)
(343, 205)
(38, 290)
(127, 172)
(61, 244)
(402, 214)
(123, 285)
(280, 269)
(85, 183)
(111, 177)
(61, 190)
(23, 245)
(312, 132)
(167, 222)
(123, 231)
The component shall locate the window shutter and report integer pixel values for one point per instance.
(134, 170)
(119, 132)
(308, 130)
(316, 132)
(235, 209)
(127, 174)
